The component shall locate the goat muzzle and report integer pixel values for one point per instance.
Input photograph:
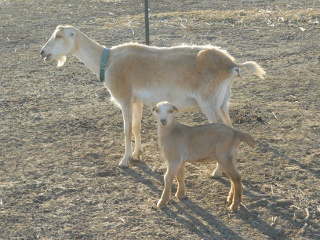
(163, 121)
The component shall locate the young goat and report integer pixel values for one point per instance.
(180, 144)
(191, 77)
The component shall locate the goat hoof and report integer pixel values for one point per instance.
(123, 164)
(234, 208)
(136, 154)
(161, 204)
(216, 174)
(180, 196)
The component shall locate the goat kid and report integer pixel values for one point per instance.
(191, 77)
(180, 144)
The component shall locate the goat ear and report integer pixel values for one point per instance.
(175, 108)
(154, 108)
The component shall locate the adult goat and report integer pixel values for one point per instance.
(190, 77)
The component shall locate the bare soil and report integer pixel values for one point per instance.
(62, 138)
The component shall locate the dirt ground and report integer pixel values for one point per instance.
(61, 138)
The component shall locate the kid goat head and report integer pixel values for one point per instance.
(165, 113)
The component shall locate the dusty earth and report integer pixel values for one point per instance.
(62, 138)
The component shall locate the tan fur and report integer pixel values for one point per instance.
(191, 77)
(180, 144)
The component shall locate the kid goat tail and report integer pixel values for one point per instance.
(254, 67)
(244, 137)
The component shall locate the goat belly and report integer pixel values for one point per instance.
(179, 98)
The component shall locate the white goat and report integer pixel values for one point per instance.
(180, 144)
(191, 77)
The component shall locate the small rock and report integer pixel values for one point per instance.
(259, 119)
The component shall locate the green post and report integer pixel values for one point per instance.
(146, 18)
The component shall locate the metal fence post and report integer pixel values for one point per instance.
(146, 18)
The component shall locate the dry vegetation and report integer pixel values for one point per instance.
(61, 137)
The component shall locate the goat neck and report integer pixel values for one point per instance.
(89, 52)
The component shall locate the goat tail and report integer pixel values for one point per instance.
(244, 137)
(254, 67)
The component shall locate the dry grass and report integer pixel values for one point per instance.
(190, 18)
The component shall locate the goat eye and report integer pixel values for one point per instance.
(170, 111)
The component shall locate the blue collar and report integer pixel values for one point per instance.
(103, 63)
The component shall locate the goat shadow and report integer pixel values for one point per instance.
(208, 226)
(190, 214)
